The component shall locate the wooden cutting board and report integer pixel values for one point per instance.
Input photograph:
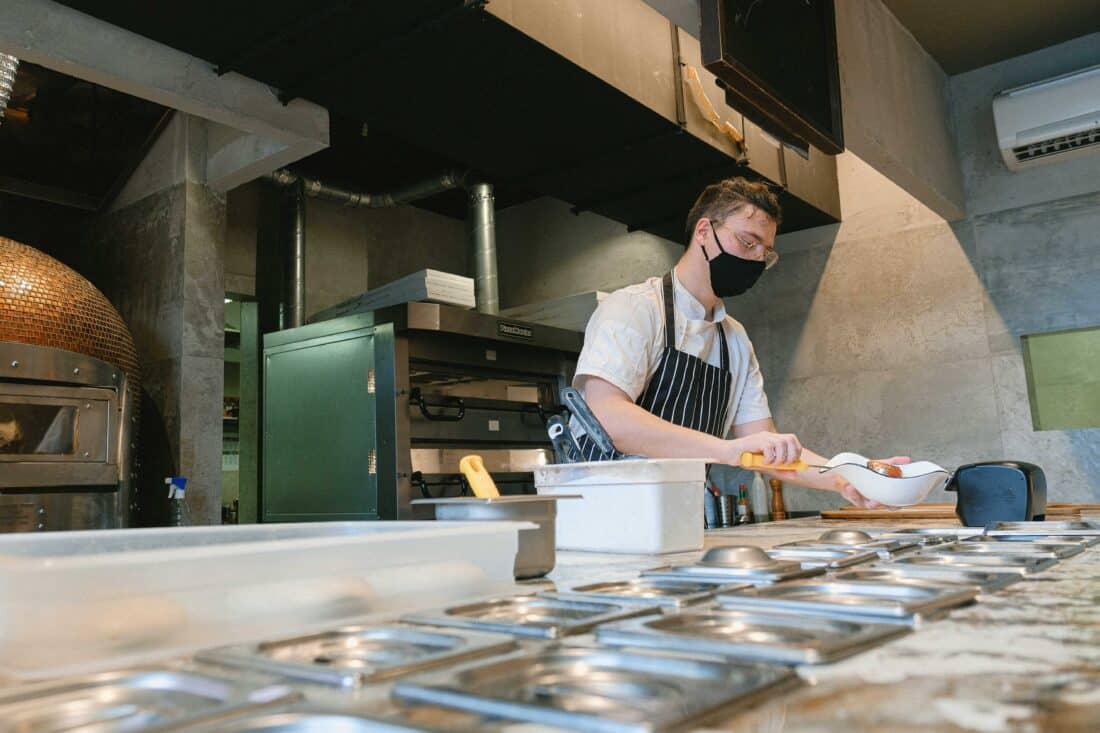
(941, 511)
(920, 511)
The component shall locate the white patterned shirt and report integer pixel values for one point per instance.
(625, 339)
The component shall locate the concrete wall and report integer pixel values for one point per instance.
(348, 251)
(159, 259)
(895, 103)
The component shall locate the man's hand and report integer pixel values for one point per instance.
(849, 492)
(778, 448)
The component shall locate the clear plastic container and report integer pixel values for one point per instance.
(73, 602)
(637, 506)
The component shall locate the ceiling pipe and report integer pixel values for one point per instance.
(315, 188)
(301, 187)
(296, 272)
(483, 246)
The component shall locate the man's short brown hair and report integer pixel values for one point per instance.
(719, 200)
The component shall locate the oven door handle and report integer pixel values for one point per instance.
(453, 403)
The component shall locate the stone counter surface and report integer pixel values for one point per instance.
(1023, 659)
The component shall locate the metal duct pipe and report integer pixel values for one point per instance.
(296, 272)
(318, 189)
(483, 246)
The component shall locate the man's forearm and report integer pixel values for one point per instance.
(636, 430)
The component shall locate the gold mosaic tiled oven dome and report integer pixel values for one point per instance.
(47, 303)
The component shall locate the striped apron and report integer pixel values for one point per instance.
(685, 390)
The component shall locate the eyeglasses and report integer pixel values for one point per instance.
(771, 257)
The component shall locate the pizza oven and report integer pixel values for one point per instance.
(68, 386)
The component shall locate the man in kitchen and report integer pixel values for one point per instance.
(670, 375)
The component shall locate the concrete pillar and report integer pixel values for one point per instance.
(158, 255)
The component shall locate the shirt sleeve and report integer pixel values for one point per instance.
(753, 404)
(619, 342)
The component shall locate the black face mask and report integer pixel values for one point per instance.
(729, 274)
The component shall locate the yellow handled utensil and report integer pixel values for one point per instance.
(755, 461)
(482, 484)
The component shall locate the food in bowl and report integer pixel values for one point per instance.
(916, 482)
(886, 469)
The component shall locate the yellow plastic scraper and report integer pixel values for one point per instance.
(473, 468)
(755, 461)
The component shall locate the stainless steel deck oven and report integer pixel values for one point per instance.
(365, 412)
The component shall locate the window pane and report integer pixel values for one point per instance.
(35, 429)
(1063, 378)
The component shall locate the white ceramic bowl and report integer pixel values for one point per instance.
(917, 481)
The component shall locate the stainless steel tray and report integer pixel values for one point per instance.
(854, 539)
(1060, 549)
(380, 715)
(885, 548)
(995, 563)
(923, 540)
(823, 557)
(357, 655)
(597, 690)
(980, 550)
(1077, 527)
(304, 722)
(663, 592)
(735, 563)
(955, 531)
(936, 575)
(789, 571)
(851, 599)
(141, 699)
(1086, 540)
(537, 616)
(783, 638)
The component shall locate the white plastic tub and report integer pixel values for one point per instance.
(631, 506)
(73, 602)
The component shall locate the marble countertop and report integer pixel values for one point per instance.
(1023, 659)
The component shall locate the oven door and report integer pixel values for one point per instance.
(54, 437)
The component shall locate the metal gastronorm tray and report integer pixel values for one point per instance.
(357, 655)
(1086, 540)
(996, 563)
(1069, 528)
(664, 592)
(932, 574)
(537, 616)
(1060, 550)
(848, 599)
(824, 557)
(782, 638)
(884, 548)
(596, 689)
(152, 699)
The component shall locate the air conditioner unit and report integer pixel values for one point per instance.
(1049, 120)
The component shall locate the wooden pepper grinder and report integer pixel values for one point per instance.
(779, 509)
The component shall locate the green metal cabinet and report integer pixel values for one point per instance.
(321, 449)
